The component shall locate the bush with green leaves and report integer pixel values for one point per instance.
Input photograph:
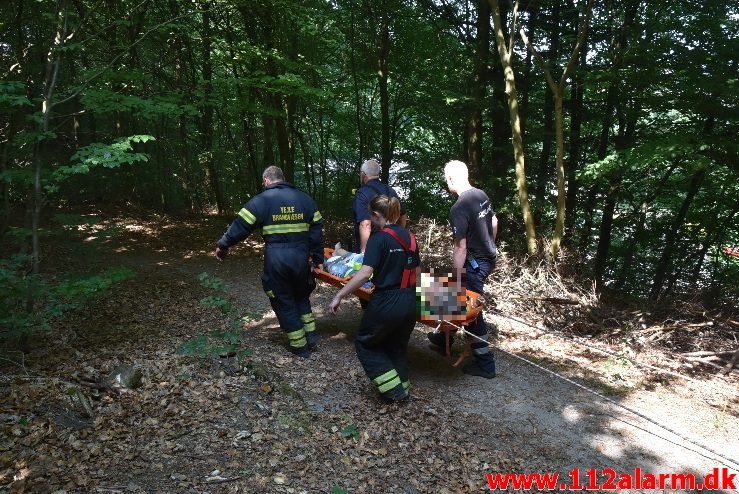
(218, 342)
(50, 300)
(211, 282)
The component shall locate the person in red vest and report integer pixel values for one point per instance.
(392, 259)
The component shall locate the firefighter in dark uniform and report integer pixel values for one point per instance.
(391, 258)
(292, 228)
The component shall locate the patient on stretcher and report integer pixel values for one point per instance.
(441, 296)
(344, 264)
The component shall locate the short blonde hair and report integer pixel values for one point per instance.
(457, 170)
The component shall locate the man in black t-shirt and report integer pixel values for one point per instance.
(474, 229)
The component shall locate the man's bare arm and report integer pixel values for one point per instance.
(365, 228)
(459, 255)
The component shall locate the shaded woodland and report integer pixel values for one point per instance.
(605, 133)
(608, 128)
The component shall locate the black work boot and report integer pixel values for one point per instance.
(395, 395)
(474, 368)
(312, 340)
(303, 351)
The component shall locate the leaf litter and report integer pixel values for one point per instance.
(258, 421)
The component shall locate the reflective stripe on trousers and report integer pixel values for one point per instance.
(387, 381)
(297, 338)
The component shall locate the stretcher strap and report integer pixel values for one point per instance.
(409, 274)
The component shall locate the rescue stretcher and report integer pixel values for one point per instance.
(448, 323)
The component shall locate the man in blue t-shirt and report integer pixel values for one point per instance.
(474, 229)
(369, 175)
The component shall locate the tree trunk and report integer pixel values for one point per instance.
(573, 162)
(206, 127)
(479, 89)
(361, 151)
(500, 122)
(382, 77)
(505, 53)
(51, 70)
(283, 139)
(557, 92)
(606, 226)
(251, 149)
(526, 89)
(542, 171)
(677, 223)
(711, 237)
(619, 47)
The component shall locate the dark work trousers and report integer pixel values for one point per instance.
(288, 282)
(382, 340)
(475, 281)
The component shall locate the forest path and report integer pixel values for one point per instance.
(276, 423)
(527, 420)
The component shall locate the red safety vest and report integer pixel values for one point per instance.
(409, 274)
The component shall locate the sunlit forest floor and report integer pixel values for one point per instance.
(223, 407)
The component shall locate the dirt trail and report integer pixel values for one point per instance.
(535, 421)
(277, 423)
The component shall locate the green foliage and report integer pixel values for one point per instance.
(106, 155)
(211, 282)
(52, 299)
(23, 176)
(13, 94)
(251, 316)
(217, 342)
(301, 89)
(105, 101)
(351, 431)
(338, 490)
(18, 233)
(216, 301)
(73, 294)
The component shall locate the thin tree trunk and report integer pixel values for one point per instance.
(505, 53)
(51, 70)
(251, 149)
(207, 112)
(542, 170)
(500, 122)
(361, 152)
(619, 47)
(526, 89)
(557, 91)
(267, 149)
(382, 78)
(636, 239)
(573, 162)
(283, 140)
(479, 89)
(710, 239)
(606, 226)
(677, 223)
